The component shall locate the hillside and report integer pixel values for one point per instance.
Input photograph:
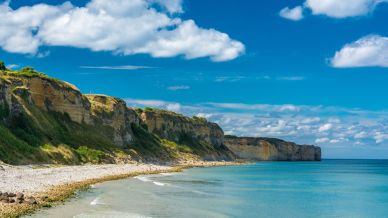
(45, 120)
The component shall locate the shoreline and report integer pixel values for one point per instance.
(53, 185)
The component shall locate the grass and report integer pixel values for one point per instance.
(89, 155)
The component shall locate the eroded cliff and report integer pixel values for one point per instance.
(45, 120)
(270, 149)
(206, 138)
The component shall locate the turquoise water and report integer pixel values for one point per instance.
(331, 188)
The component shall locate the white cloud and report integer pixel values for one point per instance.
(342, 8)
(380, 137)
(361, 135)
(292, 78)
(333, 8)
(335, 141)
(369, 51)
(124, 67)
(322, 140)
(193, 42)
(13, 66)
(325, 127)
(176, 107)
(240, 106)
(294, 14)
(146, 103)
(123, 27)
(176, 88)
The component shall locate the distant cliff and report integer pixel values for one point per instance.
(270, 149)
(45, 120)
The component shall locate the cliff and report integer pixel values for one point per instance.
(45, 120)
(270, 149)
(206, 138)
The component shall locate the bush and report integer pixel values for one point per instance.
(148, 109)
(2, 66)
(90, 155)
(199, 119)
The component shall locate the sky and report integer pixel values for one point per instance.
(309, 71)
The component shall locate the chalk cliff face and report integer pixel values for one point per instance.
(269, 149)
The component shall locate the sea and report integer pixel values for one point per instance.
(330, 188)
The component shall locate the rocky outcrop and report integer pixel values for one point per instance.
(270, 149)
(53, 95)
(194, 131)
(113, 112)
(174, 126)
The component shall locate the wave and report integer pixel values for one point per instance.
(110, 214)
(143, 178)
(159, 183)
(147, 179)
(167, 174)
(95, 202)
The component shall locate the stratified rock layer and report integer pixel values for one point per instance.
(197, 132)
(270, 149)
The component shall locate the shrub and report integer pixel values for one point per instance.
(90, 155)
(148, 109)
(2, 66)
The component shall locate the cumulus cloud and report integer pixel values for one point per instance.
(325, 127)
(380, 137)
(294, 14)
(333, 8)
(342, 8)
(368, 51)
(125, 27)
(322, 140)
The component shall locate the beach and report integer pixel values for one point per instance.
(49, 184)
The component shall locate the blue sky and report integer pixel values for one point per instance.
(312, 71)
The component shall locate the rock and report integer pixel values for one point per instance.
(192, 131)
(11, 200)
(11, 195)
(19, 201)
(19, 195)
(5, 200)
(31, 200)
